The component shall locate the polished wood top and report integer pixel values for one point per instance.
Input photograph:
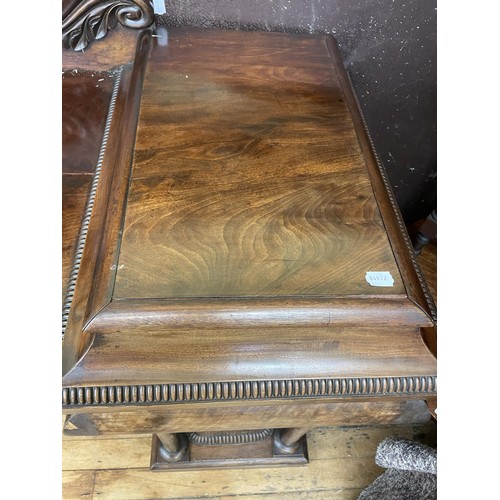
(248, 179)
(237, 212)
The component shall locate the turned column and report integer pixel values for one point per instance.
(173, 446)
(288, 440)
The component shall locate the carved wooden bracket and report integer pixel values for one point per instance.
(90, 20)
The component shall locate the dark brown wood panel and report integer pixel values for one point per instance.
(248, 179)
(118, 48)
(396, 230)
(229, 240)
(96, 268)
(74, 197)
(85, 101)
(210, 355)
(156, 315)
(428, 262)
(226, 417)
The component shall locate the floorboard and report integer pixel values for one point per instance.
(341, 465)
(78, 484)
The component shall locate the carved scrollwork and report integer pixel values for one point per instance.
(91, 20)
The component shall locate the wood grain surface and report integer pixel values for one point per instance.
(74, 198)
(220, 355)
(86, 460)
(85, 101)
(95, 273)
(428, 262)
(248, 179)
(86, 97)
(227, 417)
(230, 237)
(148, 315)
(415, 285)
(116, 49)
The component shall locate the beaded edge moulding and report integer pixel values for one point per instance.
(239, 391)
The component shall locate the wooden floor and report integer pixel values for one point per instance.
(341, 462)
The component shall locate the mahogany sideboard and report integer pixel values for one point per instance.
(235, 267)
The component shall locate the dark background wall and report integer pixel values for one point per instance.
(389, 50)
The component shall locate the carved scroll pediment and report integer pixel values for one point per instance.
(91, 20)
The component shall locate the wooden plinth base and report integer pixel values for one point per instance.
(260, 454)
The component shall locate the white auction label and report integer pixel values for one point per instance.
(159, 7)
(379, 278)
